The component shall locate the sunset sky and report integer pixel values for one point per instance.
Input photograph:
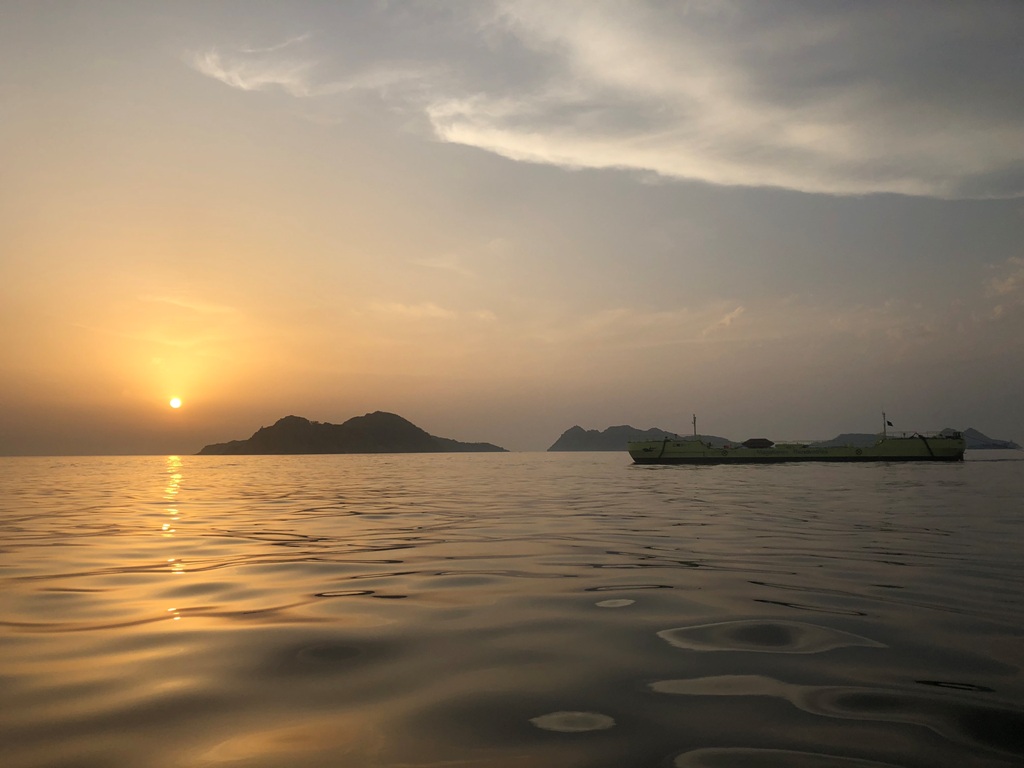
(502, 219)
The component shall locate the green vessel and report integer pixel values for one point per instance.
(694, 450)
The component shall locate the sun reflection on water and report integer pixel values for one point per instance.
(174, 466)
(171, 491)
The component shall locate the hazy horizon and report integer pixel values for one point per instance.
(893, 430)
(502, 219)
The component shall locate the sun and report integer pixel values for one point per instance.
(175, 402)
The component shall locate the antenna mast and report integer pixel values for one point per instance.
(695, 425)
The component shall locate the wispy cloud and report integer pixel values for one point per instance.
(425, 310)
(200, 307)
(891, 326)
(490, 251)
(278, 46)
(303, 75)
(1012, 281)
(254, 74)
(169, 321)
(628, 327)
(158, 337)
(723, 322)
(428, 311)
(444, 263)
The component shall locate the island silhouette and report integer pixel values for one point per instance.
(615, 438)
(377, 432)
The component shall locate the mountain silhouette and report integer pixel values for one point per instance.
(977, 440)
(377, 432)
(614, 438)
(974, 439)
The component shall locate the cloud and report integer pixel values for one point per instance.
(189, 304)
(724, 322)
(250, 74)
(423, 311)
(629, 327)
(842, 99)
(155, 336)
(493, 250)
(260, 69)
(279, 46)
(839, 100)
(444, 263)
(1010, 283)
(888, 328)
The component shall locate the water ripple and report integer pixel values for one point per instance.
(427, 609)
(960, 719)
(750, 757)
(573, 722)
(763, 635)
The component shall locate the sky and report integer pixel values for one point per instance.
(503, 219)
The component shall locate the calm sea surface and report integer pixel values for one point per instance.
(523, 609)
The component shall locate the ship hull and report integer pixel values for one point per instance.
(681, 451)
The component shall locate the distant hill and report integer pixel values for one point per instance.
(977, 441)
(614, 438)
(860, 439)
(377, 432)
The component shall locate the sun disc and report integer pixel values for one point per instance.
(175, 402)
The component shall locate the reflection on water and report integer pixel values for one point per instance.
(762, 635)
(508, 610)
(770, 758)
(956, 718)
(573, 722)
(168, 528)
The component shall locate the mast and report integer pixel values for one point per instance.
(695, 425)
(885, 432)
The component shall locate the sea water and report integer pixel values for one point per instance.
(521, 609)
